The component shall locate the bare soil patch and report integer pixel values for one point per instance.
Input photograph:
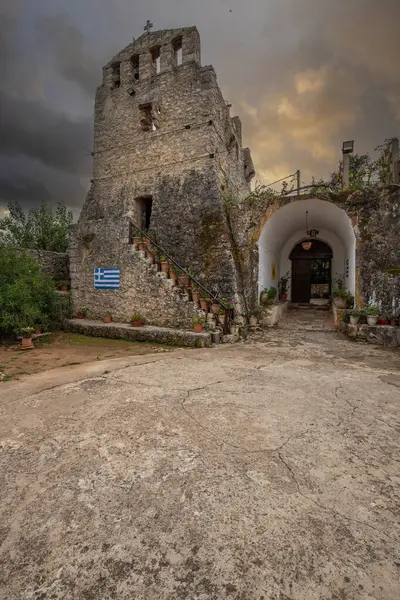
(62, 349)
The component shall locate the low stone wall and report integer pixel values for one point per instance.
(160, 335)
(273, 314)
(383, 335)
(55, 264)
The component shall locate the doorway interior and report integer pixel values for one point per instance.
(311, 272)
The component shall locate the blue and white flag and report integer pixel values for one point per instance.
(106, 279)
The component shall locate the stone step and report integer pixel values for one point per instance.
(146, 333)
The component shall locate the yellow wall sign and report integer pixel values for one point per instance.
(273, 272)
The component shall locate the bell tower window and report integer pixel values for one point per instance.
(116, 75)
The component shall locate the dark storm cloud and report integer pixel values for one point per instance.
(302, 74)
(30, 128)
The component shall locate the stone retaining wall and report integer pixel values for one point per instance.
(383, 335)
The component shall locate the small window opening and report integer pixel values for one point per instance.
(177, 45)
(135, 67)
(155, 54)
(149, 120)
(116, 75)
(145, 207)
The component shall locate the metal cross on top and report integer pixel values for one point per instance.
(148, 26)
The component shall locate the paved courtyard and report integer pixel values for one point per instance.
(264, 470)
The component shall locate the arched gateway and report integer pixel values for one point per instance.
(313, 242)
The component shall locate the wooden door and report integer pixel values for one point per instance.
(301, 280)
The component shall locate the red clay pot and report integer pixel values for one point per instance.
(173, 275)
(198, 328)
(137, 323)
(203, 304)
(382, 321)
(107, 319)
(283, 297)
(183, 280)
(165, 267)
(195, 296)
(26, 344)
(81, 315)
(214, 308)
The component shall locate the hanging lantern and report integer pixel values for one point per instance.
(306, 245)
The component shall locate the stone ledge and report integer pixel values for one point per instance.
(147, 333)
(384, 335)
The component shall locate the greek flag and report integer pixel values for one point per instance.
(106, 279)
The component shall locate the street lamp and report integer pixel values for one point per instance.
(347, 149)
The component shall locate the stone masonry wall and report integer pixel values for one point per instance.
(55, 264)
(187, 161)
(104, 243)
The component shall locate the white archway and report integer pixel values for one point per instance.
(287, 226)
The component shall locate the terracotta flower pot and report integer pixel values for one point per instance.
(107, 319)
(173, 275)
(340, 302)
(214, 307)
(195, 296)
(64, 288)
(137, 323)
(136, 241)
(203, 304)
(183, 280)
(26, 343)
(198, 327)
(283, 297)
(81, 315)
(393, 322)
(165, 267)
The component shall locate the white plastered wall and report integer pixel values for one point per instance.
(287, 227)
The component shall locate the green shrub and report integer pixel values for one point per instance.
(27, 295)
(371, 311)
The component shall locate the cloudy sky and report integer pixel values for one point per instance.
(302, 74)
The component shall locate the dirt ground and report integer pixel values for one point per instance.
(264, 470)
(66, 349)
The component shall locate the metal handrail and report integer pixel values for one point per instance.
(191, 278)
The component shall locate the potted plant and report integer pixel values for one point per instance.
(382, 320)
(283, 285)
(26, 343)
(81, 314)
(354, 316)
(215, 336)
(214, 307)
(393, 320)
(204, 302)
(38, 330)
(142, 246)
(136, 240)
(195, 294)
(372, 313)
(183, 279)
(227, 303)
(136, 320)
(221, 315)
(108, 317)
(63, 286)
(164, 265)
(198, 324)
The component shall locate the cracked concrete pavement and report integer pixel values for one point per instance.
(264, 470)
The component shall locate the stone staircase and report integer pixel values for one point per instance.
(216, 314)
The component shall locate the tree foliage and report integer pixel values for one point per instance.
(41, 228)
(364, 171)
(27, 295)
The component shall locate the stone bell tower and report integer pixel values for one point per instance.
(166, 153)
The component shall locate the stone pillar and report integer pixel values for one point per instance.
(147, 68)
(191, 50)
(167, 56)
